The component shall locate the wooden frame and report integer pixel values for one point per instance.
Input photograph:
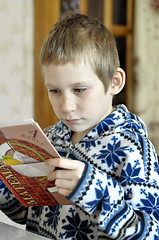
(122, 31)
(45, 15)
(83, 6)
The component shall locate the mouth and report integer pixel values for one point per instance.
(72, 121)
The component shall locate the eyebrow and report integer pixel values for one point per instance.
(48, 85)
(72, 85)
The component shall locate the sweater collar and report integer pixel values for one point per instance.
(105, 125)
(119, 120)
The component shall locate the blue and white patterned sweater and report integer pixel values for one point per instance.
(117, 196)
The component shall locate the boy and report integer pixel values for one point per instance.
(111, 173)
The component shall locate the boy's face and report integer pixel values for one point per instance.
(77, 95)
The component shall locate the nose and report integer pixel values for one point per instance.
(68, 104)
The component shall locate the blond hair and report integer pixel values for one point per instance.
(77, 37)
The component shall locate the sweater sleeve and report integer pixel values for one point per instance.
(103, 198)
(11, 206)
(123, 207)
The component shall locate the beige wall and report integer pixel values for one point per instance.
(16, 63)
(146, 70)
(16, 59)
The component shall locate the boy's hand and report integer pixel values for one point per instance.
(67, 177)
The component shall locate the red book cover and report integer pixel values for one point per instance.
(23, 149)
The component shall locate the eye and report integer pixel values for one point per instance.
(80, 90)
(54, 91)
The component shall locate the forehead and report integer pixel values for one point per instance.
(69, 72)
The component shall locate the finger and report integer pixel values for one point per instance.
(60, 163)
(64, 163)
(63, 191)
(52, 162)
(62, 174)
(65, 184)
(65, 187)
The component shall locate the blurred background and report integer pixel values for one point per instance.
(24, 24)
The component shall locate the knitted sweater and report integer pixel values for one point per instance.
(117, 196)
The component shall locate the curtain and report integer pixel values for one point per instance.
(146, 66)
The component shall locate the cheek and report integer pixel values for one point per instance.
(91, 106)
(51, 100)
(98, 103)
(54, 104)
(89, 102)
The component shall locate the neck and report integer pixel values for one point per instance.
(77, 136)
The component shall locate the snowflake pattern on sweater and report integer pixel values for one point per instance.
(117, 196)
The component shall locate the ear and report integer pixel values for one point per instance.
(118, 81)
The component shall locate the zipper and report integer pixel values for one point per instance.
(69, 150)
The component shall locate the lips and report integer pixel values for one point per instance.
(72, 121)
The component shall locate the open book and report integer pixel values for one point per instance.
(23, 149)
